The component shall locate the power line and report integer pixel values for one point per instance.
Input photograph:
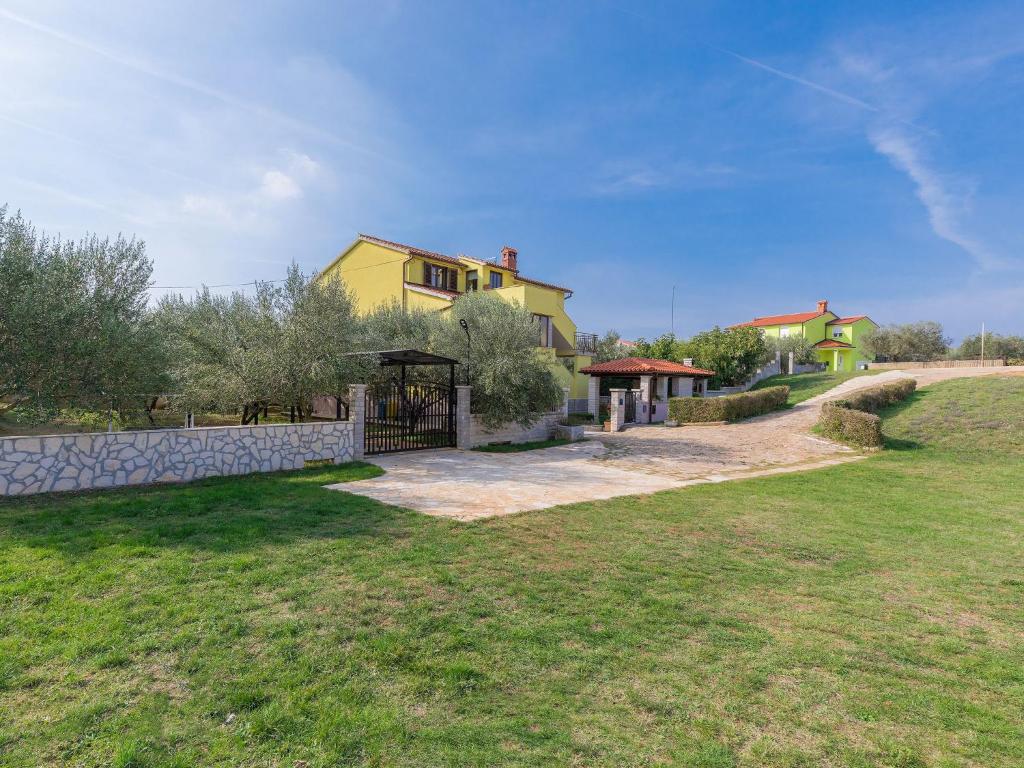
(254, 282)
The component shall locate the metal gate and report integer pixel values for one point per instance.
(630, 416)
(409, 417)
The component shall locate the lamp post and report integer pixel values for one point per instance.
(465, 327)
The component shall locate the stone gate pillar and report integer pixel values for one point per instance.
(357, 415)
(463, 421)
(617, 409)
(594, 397)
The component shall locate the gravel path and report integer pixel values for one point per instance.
(470, 485)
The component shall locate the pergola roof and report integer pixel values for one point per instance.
(643, 366)
(412, 357)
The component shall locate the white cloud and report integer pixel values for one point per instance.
(945, 206)
(630, 177)
(277, 185)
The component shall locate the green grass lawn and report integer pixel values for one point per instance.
(869, 614)
(803, 386)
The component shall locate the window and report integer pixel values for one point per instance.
(440, 277)
(837, 333)
(472, 280)
(546, 332)
(495, 279)
(784, 332)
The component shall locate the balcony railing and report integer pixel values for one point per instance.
(586, 343)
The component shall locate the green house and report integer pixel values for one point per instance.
(836, 339)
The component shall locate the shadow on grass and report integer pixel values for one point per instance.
(223, 514)
(899, 443)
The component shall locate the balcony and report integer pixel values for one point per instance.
(586, 343)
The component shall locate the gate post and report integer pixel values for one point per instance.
(617, 409)
(357, 415)
(565, 402)
(463, 423)
(594, 398)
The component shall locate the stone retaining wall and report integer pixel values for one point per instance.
(107, 459)
(544, 429)
(988, 363)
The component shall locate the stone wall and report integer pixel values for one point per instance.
(108, 459)
(543, 429)
(988, 363)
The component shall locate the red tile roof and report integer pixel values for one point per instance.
(832, 344)
(414, 251)
(847, 320)
(799, 317)
(409, 249)
(631, 366)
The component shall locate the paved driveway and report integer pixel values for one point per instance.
(469, 485)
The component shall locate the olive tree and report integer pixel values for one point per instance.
(996, 345)
(511, 380)
(920, 341)
(74, 325)
(223, 350)
(801, 347)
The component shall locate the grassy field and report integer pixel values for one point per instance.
(804, 386)
(869, 614)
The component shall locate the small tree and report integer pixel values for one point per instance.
(734, 354)
(920, 341)
(223, 350)
(664, 347)
(74, 325)
(511, 381)
(801, 347)
(610, 347)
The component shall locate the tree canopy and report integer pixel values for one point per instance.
(910, 342)
(74, 323)
(996, 345)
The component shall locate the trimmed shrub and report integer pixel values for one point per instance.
(728, 408)
(850, 426)
(853, 419)
(875, 399)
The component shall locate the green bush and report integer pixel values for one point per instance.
(874, 399)
(850, 426)
(853, 419)
(727, 408)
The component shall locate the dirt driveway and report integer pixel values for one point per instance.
(470, 485)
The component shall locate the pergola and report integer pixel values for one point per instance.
(658, 381)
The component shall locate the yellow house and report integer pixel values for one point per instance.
(379, 271)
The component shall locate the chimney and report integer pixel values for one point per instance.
(822, 306)
(508, 258)
(688, 361)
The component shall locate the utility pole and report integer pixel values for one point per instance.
(673, 310)
(982, 343)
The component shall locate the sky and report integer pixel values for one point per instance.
(751, 158)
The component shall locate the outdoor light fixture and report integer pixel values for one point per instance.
(465, 327)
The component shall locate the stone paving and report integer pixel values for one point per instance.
(470, 485)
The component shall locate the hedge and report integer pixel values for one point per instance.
(849, 426)
(875, 399)
(727, 408)
(854, 420)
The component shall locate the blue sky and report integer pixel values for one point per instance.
(756, 156)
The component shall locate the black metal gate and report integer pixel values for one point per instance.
(630, 417)
(409, 417)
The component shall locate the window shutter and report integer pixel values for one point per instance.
(453, 280)
(426, 273)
